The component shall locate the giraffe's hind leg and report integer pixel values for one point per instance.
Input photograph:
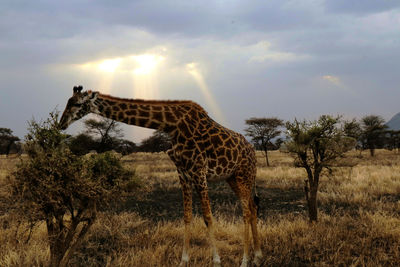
(242, 189)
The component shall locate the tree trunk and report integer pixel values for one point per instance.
(55, 256)
(55, 239)
(311, 197)
(372, 152)
(266, 156)
(312, 204)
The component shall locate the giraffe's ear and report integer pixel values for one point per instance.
(77, 89)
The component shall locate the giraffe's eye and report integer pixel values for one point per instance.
(72, 103)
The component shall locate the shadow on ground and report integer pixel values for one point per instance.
(166, 204)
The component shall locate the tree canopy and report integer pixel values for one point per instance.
(263, 131)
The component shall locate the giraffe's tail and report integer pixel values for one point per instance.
(257, 202)
(256, 198)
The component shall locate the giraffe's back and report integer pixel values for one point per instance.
(221, 150)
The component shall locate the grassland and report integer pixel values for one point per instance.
(359, 219)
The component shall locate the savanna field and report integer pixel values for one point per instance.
(359, 218)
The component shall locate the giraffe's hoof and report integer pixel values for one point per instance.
(258, 259)
(184, 264)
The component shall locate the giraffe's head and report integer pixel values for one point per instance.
(80, 104)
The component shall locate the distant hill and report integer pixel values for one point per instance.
(394, 123)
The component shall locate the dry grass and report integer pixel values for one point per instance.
(359, 219)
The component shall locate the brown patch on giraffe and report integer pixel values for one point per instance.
(235, 154)
(216, 140)
(170, 117)
(111, 103)
(131, 112)
(184, 129)
(158, 116)
(131, 106)
(218, 170)
(224, 136)
(153, 125)
(188, 154)
(228, 154)
(123, 106)
(213, 131)
(142, 122)
(189, 144)
(212, 164)
(145, 107)
(194, 114)
(108, 112)
(181, 139)
(222, 161)
(132, 121)
(121, 115)
(220, 151)
(157, 108)
(143, 113)
(229, 143)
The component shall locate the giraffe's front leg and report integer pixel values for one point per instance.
(187, 217)
(201, 188)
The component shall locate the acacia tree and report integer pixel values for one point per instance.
(315, 146)
(262, 131)
(373, 134)
(64, 190)
(106, 130)
(7, 140)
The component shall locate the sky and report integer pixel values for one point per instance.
(238, 59)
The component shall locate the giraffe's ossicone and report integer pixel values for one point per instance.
(202, 150)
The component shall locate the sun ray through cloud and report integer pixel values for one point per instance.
(144, 75)
(193, 70)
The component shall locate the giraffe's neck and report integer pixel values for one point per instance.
(163, 115)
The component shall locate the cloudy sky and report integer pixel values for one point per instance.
(238, 59)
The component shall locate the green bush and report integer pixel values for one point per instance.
(63, 189)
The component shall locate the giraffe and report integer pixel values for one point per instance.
(202, 150)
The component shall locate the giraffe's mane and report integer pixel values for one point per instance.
(151, 102)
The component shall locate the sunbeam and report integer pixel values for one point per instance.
(144, 76)
(192, 69)
(109, 65)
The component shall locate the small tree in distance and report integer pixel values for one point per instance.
(373, 132)
(106, 130)
(62, 189)
(159, 141)
(7, 140)
(262, 131)
(353, 129)
(315, 146)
